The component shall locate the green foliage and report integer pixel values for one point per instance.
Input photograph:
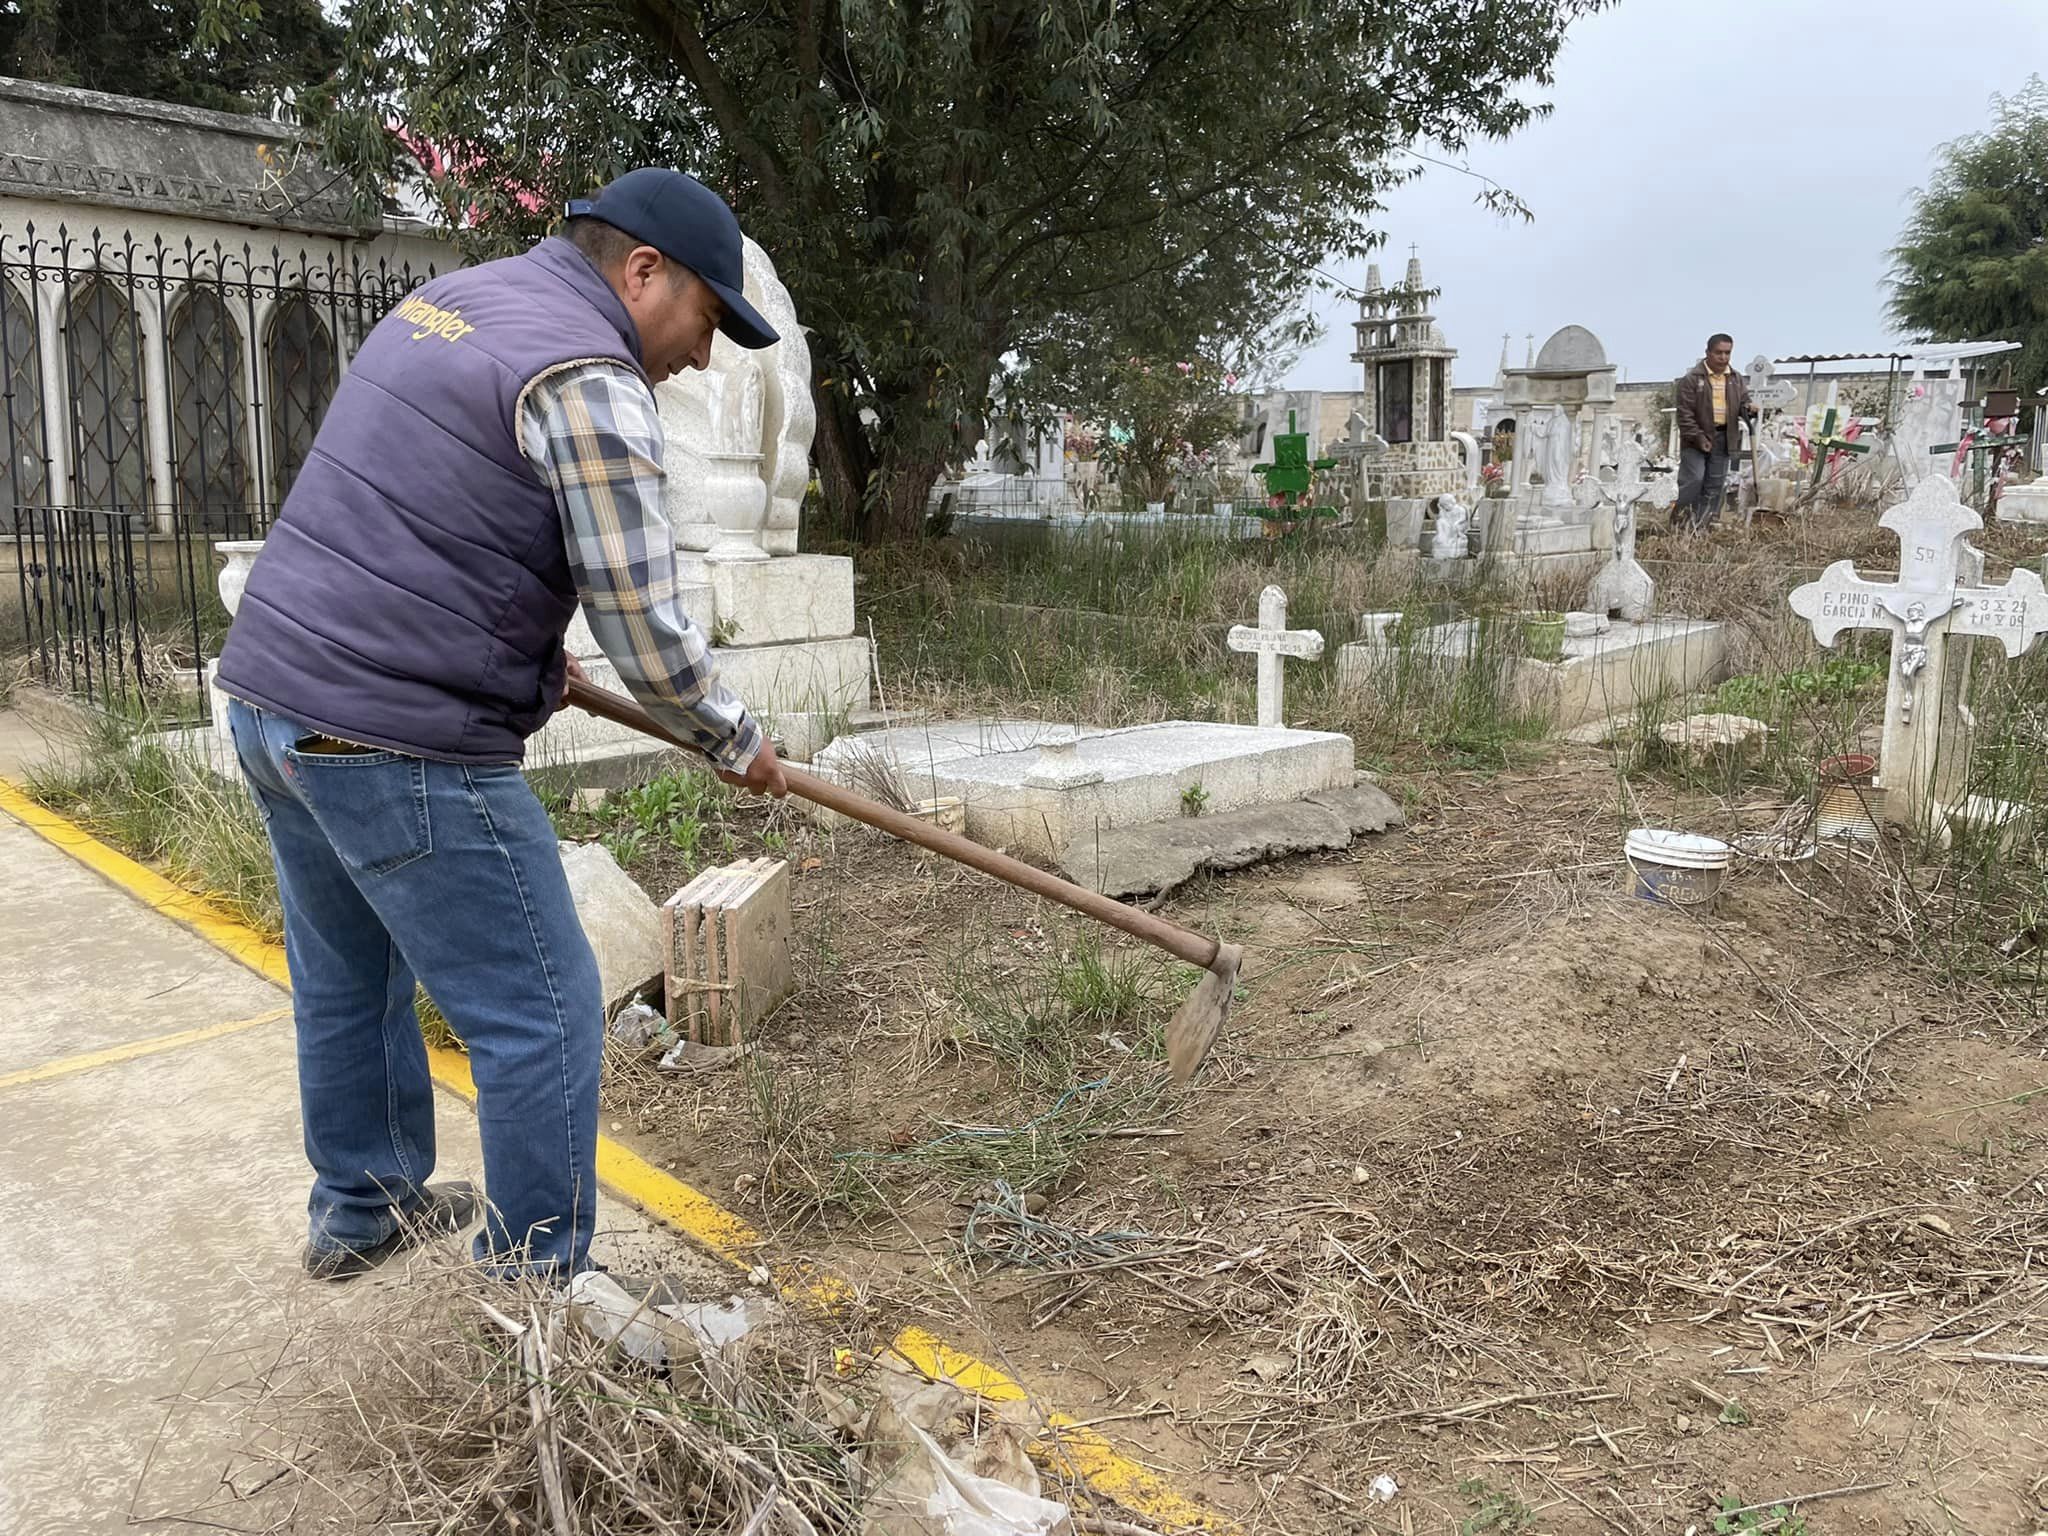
(1972, 262)
(1039, 1012)
(165, 808)
(965, 189)
(1194, 800)
(1166, 415)
(1497, 1512)
(679, 808)
(1765, 698)
(1778, 1519)
(229, 55)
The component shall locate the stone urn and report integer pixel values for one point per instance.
(735, 497)
(234, 576)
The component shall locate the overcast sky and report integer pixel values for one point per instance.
(1727, 165)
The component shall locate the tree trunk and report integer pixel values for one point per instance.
(876, 481)
(903, 493)
(844, 459)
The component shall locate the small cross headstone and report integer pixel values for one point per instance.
(1936, 598)
(1271, 641)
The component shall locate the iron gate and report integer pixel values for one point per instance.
(153, 400)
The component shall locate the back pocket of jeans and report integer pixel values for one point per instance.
(371, 805)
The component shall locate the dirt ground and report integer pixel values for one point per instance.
(1565, 1212)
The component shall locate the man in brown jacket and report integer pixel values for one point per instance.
(1711, 400)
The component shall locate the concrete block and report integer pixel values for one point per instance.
(725, 949)
(1563, 539)
(2024, 503)
(1597, 675)
(1607, 674)
(769, 602)
(622, 924)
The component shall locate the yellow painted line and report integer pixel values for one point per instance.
(113, 1053)
(1087, 1454)
(147, 886)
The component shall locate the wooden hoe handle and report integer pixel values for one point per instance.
(1182, 943)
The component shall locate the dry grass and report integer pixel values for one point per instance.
(447, 1400)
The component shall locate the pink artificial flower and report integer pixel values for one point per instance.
(1230, 381)
(1185, 367)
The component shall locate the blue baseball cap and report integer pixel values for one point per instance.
(688, 223)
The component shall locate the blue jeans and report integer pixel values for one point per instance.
(1701, 479)
(391, 869)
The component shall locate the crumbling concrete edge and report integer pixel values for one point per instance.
(1068, 1444)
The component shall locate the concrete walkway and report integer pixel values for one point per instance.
(152, 1196)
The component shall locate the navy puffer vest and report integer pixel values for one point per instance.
(415, 588)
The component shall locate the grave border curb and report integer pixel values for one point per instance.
(725, 1235)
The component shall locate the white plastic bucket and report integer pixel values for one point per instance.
(1681, 868)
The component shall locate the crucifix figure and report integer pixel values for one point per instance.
(1270, 642)
(1938, 596)
(1622, 586)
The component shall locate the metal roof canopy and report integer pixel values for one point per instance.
(1929, 352)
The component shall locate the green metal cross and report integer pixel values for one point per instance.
(1291, 475)
(1827, 445)
(1984, 450)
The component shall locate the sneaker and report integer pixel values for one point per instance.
(447, 1208)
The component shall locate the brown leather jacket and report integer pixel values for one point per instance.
(1696, 408)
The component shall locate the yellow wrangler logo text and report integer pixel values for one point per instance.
(447, 324)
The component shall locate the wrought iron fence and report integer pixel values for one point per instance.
(153, 399)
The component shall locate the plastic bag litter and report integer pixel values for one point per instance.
(945, 1462)
(665, 1334)
(689, 1056)
(638, 1027)
(961, 1504)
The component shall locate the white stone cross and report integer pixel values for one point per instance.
(1936, 597)
(1270, 642)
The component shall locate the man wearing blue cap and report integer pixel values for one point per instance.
(492, 456)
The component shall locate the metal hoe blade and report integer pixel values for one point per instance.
(1193, 1031)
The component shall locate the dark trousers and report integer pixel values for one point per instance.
(1701, 477)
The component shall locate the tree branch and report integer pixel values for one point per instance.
(666, 19)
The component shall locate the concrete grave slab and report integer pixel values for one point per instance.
(1597, 675)
(1144, 770)
(1147, 860)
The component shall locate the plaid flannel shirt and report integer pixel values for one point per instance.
(594, 435)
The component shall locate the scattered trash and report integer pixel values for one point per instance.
(1382, 1489)
(961, 1504)
(1848, 803)
(588, 799)
(689, 1056)
(1681, 868)
(1359, 1174)
(639, 1027)
(604, 1308)
(1270, 1367)
(963, 1466)
(667, 1333)
(2020, 943)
